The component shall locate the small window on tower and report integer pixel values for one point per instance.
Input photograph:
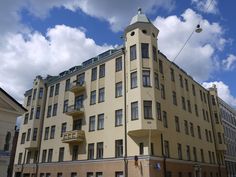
(144, 31)
(132, 33)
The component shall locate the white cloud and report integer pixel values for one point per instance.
(223, 91)
(119, 14)
(198, 57)
(207, 6)
(24, 57)
(229, 62)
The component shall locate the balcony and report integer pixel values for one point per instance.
(74, 136)
(74, 110)
(77, 86)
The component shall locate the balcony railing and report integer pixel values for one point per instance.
(77, 86)
(74, 136)
(74, 110)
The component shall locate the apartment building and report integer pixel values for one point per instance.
(126, 112)
(228, 120)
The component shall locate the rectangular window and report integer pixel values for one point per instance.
(209, 154)
(172, 74)
(134, 110)
(28, 100)
(63, 128)
(37, 115)
(118, 117)
(191, 129)
(219, 138)
(189, 106)
(177, 127)
(216, 118)
(179, 150)
(144, 49)
(118, 64)
(28, 134)
(158, 109)
(73, 174)
(118, 89)
(92, 123)
(52, 133)
(75, 152)
(61, 154)
(100, 121)
(210, 138)
(199, 132)
(163, 94)
(99, 174)
(194, 154)
(57, 89)
(201, 95)
(93, 97)
(51, 91)
(20, 158)
(188, 152)
(59, 174)
(119, 148)
(46, 133)
(67, 86)
(183, 103)
(160, 66)
(181, 81)
(196, 110)
(133, 52)
(94, 74)
(186, 127)
(141, 149)
(202, 156)
(23, 138)
(101, 95)
(206, 134)
(28, 157)
(166, 147)
(165, 121)
(31, 113)
(203, 113)
(133, 79)
(100, 150)
(90, 151)
(147, 109)
(119, 174)
(44, 155)
(49, 111)
(90, 174)
(186, 84)
(40, 96)
(35, 132)
(193, 90)
(77, 124)
(154, 53)
(156, 81)
(65, 106)
(102, 71)
(146, 78)
(50, 153)
(26, 120)
(54, 111)
(174, 97)
(34, 94)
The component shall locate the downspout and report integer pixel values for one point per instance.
(125, 118)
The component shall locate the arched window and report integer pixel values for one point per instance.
(7, 141)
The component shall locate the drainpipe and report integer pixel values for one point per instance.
(125, 118)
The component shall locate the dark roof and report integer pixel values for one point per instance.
(11, 98)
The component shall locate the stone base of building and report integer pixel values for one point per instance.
(136, 167)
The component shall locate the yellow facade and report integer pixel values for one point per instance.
(151, 118)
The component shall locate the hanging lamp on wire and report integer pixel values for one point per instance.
(198, 29)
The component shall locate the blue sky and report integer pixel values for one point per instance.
(47, 37)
